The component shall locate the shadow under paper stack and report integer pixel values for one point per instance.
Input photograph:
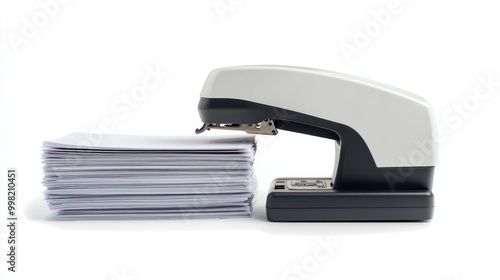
(90, 176)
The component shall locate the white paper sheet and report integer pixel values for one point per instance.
(148, 177)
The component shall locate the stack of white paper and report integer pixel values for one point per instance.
(145, 177)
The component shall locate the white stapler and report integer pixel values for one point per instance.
(385, 138)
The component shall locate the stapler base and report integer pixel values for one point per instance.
(315, 200)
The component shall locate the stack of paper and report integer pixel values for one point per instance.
(143, 177)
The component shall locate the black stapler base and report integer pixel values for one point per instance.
(300, 200)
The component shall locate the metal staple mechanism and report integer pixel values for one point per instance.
(265, 127)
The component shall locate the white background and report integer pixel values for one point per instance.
(65, 77)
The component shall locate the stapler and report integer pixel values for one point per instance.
(385, 140)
